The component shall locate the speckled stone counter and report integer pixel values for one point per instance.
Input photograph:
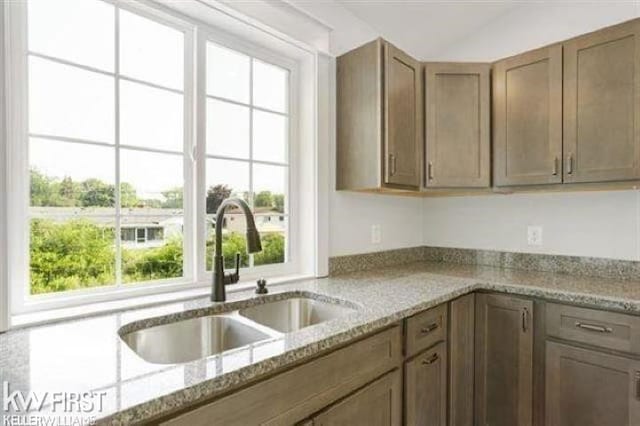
(88, 354)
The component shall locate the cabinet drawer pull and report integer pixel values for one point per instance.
(430, 171)
(594, 327)
(555, 166)
(637, 378)
(525, 320)
(392, 164)
(433, 358)
(428, 329)
(570, 164)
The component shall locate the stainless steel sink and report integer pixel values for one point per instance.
(191, 339)
(293, 314)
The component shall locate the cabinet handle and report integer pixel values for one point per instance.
(637, 385)
(570, 164)
(525, 320)
(555, 166)
(430, 170)
(433, 358)
(428, 329)
(594, 327)
(392, 164)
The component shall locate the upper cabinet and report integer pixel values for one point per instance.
(379, 125)
(457, 120)
(601, 105)
(568, 113)
(527, 118)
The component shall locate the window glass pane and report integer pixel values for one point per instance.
(68, 101)
(273, 231)
(150, 181)
(70, 253)
(269, 137)
(269, 187)
(270, 86)
(227, 73)
(151, 117)
(156, 250)
(227, 179)
(227, 129)
(80, 31)
(151, 51)
(83, 177)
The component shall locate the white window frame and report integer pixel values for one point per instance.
(291, 265)
(18, 200)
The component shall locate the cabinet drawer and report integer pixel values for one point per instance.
(426, 329)
(295, 394)
(599, 328)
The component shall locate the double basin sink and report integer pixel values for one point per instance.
(195, 338)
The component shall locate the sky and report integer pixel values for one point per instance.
(79, 102)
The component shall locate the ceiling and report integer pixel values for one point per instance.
(424, 27)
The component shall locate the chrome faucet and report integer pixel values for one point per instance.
(220, 278)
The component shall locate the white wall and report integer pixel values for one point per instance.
(601, 224)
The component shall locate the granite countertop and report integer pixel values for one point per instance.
(87, 355)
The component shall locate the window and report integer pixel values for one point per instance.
(247, 132)
(106, 89)
(126, 162)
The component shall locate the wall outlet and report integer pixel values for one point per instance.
(376, 234)
(534, 235)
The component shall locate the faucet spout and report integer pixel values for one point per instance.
(220, 278)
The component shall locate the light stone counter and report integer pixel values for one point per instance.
(88, 355)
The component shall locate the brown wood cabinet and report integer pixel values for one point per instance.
(504, 360)
(527, 118)
(602, 105)
(461, 360)
(377, 404)
(425, 382)
(589, 388)
(457, 112)
(379, 119)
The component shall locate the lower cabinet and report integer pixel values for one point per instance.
(425, 382)
(588, 388)
(503, 361)
(377, 404)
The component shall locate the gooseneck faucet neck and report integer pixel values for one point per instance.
(220, 279)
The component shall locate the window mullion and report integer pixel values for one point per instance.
(251, 194)
(118, 239)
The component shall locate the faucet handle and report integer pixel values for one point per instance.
(238, 263)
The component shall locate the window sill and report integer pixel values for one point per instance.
(63, 314)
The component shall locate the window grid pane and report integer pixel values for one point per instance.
(73, 204)
(268, 130)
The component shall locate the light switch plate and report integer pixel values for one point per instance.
(534, 235)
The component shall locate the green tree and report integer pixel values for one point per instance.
(71, 255)
(96, 193)
(173, 198)
(42, 193)
(128, 196)
(153, 263)
(272, 250)
(278, 202)
(215, 196)
(263, 199)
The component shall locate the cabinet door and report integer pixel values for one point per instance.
(527, 118)
(461, 353)
(457, 125)
(504, 361)
(377, 404)
(402, 126)
(589, 388)
(601, 105)
(426, 388)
